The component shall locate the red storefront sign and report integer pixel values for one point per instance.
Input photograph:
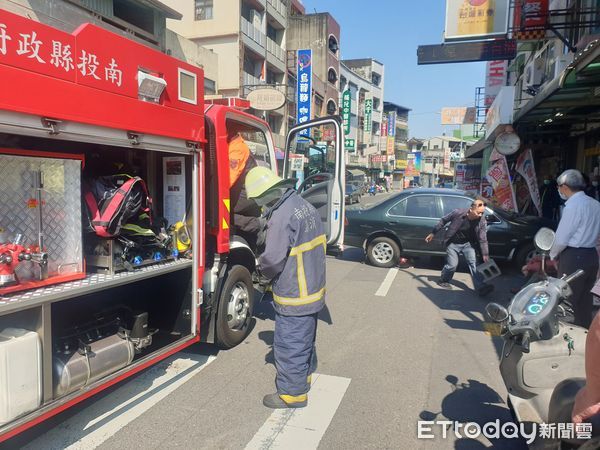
(379, 158)
(531, 18)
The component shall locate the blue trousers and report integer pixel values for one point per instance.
(452, 253)
(294, 352)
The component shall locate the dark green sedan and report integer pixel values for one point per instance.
(398, 226)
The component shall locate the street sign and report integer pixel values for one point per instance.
(296, 162)
(350, 144)
(346, 108)
(496, 50)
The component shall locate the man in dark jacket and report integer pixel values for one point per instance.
(293, 261)
(467, 229)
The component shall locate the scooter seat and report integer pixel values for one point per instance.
(561, 407)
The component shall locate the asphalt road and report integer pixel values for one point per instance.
(393, 348)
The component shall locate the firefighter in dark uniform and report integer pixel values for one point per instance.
(293, 261)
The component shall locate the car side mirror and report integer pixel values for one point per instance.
(492, 219)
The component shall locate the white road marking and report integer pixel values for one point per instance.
(105, 417)
(303, 428)
(387, 283)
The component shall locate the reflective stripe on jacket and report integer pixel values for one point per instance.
(294, 256)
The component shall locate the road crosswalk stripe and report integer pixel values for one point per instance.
(303, 428)
(387, 283)
(100, 420)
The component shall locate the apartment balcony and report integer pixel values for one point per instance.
(276, 55)
(250, 80)
(278, 11)
(253, 37)
(259, 5)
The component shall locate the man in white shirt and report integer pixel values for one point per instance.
(575, 242)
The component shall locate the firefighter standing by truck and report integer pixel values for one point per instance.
(293, 261)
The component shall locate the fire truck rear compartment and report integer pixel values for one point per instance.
(68, 337)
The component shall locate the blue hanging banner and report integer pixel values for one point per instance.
(304, 89)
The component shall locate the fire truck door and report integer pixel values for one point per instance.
(314, 155)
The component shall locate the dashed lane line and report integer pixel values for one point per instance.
(387, 283)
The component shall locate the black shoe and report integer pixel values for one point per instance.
(485, 290)
(443, 284)
(275, 401)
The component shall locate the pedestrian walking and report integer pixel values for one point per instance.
(575, 242)
(293, 261)
(466, 231)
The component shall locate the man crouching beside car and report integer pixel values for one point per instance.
(467, 229)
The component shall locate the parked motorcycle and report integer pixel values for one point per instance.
(542, 362)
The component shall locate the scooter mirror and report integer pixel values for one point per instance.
(544, 239)
(497, 313)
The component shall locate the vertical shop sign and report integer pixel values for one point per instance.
(498, 178)
(530, 20)
(346, 109)
(391, 125)
(368, 123)
(527, 170)
(304, 89)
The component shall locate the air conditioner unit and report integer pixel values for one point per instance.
(534, 73)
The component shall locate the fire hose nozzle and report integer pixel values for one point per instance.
(39, 258)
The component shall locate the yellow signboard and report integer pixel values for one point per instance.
(390, 145)
(470, 19)
(401, 164)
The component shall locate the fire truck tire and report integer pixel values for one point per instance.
(236, 304)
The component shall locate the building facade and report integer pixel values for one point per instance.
(320, 33)
(396, 120)
(549, 96)
(439, 155)
(364, 87)
(249, 37)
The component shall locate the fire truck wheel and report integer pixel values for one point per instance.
(236, 303)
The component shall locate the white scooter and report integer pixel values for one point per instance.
(542, 362)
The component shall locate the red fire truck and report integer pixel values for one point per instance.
(80, 311)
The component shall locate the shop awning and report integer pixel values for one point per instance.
(476, 150)
(573, 95)
(356, 173)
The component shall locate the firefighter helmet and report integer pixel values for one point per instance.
(260, 179)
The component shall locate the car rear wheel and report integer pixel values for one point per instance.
(383, 252)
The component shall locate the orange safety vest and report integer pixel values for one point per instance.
(238, 157)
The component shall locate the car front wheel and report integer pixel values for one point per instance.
(524, 255)
(383, 252)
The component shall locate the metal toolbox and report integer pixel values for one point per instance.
(40, 219)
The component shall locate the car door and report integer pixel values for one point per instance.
(412, 219)
(314, 156)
